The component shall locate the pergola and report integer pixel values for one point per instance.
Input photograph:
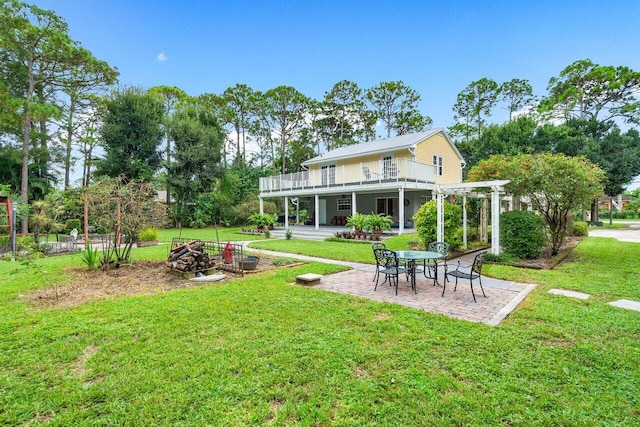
(466, 189)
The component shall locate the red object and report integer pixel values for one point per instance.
(228, 250)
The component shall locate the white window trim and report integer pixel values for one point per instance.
(438, 165)
(343, 204)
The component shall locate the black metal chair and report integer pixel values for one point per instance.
(390, 267)
(474, 272)
(442, 248)
(374, 246)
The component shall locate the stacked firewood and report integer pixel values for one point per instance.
(189, 257)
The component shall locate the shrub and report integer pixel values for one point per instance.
(357, 221)
(289, 234)
(522, 234)
(243, 210)
(377, 222)
(90, 257)
(426, 223)
(580, 228)
(148, 234)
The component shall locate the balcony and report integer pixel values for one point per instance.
(357, 174)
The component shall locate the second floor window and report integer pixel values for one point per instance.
(328, 174)
(437, 165)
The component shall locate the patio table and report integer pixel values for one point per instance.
(412, 256)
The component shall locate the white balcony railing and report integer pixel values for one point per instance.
(357, 173)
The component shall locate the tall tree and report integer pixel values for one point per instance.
(516, 94)
(586, 90)
(131, 134)
(396, 104)
(197, 152)
(239, 105)
(473, 105)
(170, 96)
(80, 90)
(341, 122)
(37, 44)
(285, 110)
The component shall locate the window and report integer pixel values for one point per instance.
(328, 173)
(437, 165)
(344, 204)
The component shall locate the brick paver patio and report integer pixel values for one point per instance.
(502, 296)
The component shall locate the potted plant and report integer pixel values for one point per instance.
(147, 237)
(303, 216)
(263, 220)
(377, 223)
(358, 221)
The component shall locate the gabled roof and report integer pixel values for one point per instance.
(379, 146)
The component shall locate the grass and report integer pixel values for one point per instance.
(261, 351)
(349, 250)
(223, 234)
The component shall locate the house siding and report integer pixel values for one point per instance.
(438, 145)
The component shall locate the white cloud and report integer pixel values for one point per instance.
(161, 57)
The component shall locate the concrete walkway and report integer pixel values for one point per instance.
(631, 234)
(502, 296)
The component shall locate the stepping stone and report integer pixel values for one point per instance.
(625, 303)
(308, 279)
(571, 294)
(209, 278)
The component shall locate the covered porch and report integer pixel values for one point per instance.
(399, 199)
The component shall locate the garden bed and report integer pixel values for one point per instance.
(138, 278)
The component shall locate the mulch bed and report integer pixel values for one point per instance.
(138, 278)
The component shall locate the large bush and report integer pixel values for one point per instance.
(426, 223)
(522, 234)
(250, 207)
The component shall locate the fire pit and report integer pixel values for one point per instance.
(249, 262)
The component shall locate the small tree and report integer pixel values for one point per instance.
(426, 223)
(125, 209)
(556, 184)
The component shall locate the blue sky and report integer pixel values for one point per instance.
(435, 47)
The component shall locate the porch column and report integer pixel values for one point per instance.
(317, 204)
(440, 215)
(354, 208)
(401, 211)
(286, 212)
(261, 205)
(495, 222)
(464, 220)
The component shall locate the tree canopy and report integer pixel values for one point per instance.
(554, 183)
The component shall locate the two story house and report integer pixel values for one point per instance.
(392, 176)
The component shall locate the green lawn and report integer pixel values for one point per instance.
(222, 233)
(262, 351)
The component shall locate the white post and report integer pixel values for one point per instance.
(464, 220)
(261, 205)
(440, 215)
(354, 208)
(495, 222)
(401, 211)
(286, 212)
(317, 202)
